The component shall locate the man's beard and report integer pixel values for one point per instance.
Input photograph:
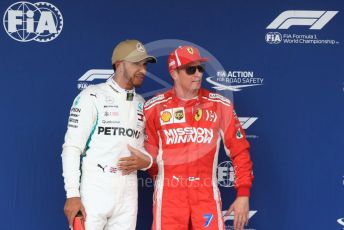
(130, 79)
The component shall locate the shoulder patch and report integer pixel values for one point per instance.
(220, 97)
(91, 93)
(154, 99)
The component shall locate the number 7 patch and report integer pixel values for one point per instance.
(208, 218)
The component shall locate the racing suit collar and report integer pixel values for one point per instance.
(184, 102)
(113, 84)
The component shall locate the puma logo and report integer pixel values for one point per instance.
(103, 168)
(94, 95)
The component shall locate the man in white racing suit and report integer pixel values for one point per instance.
(105, 122)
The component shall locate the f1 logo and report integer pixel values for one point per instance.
(93, 74)
(247, 121)
(316, 19)
(341, 221)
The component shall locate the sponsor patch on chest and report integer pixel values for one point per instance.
(172, 116)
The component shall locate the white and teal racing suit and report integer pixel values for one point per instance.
(103, 120)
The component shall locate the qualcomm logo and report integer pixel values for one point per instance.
(234, 80)
(95, 76)
(341, 221)
(25, 21)
(316, 19)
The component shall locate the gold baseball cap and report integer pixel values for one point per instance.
(132, 51)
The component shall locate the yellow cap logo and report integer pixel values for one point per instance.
(190, 50)
(166, 116)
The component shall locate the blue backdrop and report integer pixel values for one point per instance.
(288, 89)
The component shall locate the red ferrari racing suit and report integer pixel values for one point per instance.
(184, 138)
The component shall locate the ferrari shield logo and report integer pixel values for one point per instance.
(190, 50)
(198, 115)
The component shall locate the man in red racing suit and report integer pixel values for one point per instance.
(184, 127)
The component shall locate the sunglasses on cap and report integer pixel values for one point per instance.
(192, 69)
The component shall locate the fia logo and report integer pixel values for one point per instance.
(226, 174)
(25, 21)
(273, 37)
